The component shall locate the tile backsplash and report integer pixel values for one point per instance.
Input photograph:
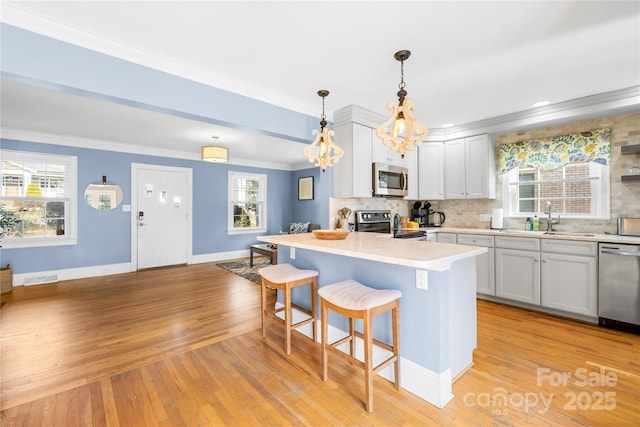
(625, 196)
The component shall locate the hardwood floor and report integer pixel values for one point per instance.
(182, 346)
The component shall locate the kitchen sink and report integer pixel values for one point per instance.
(567, 233)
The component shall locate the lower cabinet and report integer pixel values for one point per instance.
(445, 238)
(485, 264)
(569, 282)
(556, 274)
(518, 275)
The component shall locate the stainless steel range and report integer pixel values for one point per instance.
(374, 221)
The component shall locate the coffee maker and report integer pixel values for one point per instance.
(420, 214)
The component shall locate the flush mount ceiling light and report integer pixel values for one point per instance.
(214, 153)
(402, 132)
(319, 151)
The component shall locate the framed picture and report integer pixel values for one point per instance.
(305, 188)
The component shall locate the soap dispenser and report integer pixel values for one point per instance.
(536, 223)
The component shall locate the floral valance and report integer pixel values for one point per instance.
(557, 151)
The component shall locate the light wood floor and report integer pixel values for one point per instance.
(181, 346)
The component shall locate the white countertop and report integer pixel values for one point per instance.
(585, 237)
(379, 247)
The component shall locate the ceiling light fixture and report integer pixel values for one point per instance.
(402, 132)
(214, 153)
(319, 151)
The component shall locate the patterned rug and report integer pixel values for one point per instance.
(241, 268)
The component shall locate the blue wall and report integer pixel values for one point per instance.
(317, 210)
(105, 237)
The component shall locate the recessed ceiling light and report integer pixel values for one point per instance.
(447, 125)
(540, 104)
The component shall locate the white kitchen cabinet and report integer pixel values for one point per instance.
(352, 174)
(445, 238)
(518, 269)
(431, 171)
(569, 281)
(470, 170)
(384, 154)
(411, 163)
(485, 263)
(354, 133)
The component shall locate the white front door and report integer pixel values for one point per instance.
(162, 215)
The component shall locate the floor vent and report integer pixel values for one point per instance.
(37, 280)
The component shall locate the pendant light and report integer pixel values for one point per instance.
(215, 153)
(402, 132)
(319, 151)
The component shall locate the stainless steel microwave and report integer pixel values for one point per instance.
(389, 180)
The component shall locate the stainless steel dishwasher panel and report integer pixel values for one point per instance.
(619, 284)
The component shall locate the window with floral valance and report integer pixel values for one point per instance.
(569, 171)
(556, 151)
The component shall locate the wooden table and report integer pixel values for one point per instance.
(263, 249)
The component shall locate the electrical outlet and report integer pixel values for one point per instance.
(292, 253)
(485, 217)
(422, 279)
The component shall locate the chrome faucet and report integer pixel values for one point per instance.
(550, 221)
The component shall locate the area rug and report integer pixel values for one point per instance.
(241, 268)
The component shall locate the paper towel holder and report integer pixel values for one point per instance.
(497, 222)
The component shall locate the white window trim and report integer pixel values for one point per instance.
(232, 175)
(71, 190)
(601, 206)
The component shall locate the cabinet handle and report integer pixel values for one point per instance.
(536, 259)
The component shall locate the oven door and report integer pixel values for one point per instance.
(374, 227)
(389, 180)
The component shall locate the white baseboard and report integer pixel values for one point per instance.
(50, 276)
(430, 386)
(218, 256)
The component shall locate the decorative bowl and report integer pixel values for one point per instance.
(331, 234)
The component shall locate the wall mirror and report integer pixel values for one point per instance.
(103, 196)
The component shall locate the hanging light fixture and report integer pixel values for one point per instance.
(319, 151)
(215, 153)
(402, 132)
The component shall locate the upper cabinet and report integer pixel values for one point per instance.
(470, 171)
(431, 171)
(355, 134)
(352, 174)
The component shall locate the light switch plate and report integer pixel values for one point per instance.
(292, 253)
(485, 217)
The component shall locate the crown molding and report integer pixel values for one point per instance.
(617, 102)
(12, 14)
(120, 147)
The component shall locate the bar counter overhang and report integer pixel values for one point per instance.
(438, 325)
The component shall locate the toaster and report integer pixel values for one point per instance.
(628, 226)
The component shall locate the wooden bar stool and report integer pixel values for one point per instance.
(285, 277)
(356, 301)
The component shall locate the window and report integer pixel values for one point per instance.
(570, 171)
(38, 201)
(576, 190)
(247, 203)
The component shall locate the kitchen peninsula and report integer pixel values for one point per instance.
(438, 306)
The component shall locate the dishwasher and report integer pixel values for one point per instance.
(619, 286)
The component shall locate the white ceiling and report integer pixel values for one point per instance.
(470, 60)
